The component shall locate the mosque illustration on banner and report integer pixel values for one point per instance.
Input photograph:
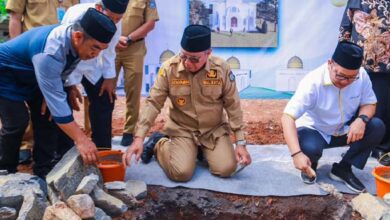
(233, 15)
(288, 78)
(238, 23)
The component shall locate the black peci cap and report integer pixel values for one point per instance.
(98, 25)
(196, 38)
(116, 6)
(348, 55)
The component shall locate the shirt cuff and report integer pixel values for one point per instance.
(63, 120)
(239, 135)
(141, 132)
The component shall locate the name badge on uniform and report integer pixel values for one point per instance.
(212, 82)
(180, 82)
(60, 14)
(152, 4)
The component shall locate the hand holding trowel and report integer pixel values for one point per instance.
(310, 173)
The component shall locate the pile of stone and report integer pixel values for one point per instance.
(71, 191)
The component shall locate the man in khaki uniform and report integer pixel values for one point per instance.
(24, 15)
(200, 87)
(138, 20)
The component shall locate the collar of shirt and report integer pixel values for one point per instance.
(69, 39)
(326, 77)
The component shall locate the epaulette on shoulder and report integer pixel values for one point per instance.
(217, 61)
(174, 60)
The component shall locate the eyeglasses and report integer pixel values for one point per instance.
(192, 59)
(343, 77)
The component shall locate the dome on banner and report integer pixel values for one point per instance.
(295, 63)
(166, 55)
(234, 63)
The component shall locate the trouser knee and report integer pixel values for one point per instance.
(224, 169)
(180, 174)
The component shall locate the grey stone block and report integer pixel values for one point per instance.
(134, 190)
(88, 183)
(7, 213)
(111, 205)
(101, 215)
(68, 173)
(115, 185)
(30, 188)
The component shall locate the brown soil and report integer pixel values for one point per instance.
(261, 117)
(182, 203)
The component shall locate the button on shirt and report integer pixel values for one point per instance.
(319, 105)
(101, 66)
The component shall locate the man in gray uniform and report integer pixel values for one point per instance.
(35, 64)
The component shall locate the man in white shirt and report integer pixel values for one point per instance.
(97, 75)
(322, 114)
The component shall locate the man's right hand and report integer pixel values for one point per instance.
(87, 150)
(135, 148)
(302, 162)
(122, 43)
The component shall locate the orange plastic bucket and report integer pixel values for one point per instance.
(111, 166)
(382, 179)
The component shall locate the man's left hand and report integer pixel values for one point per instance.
(74, 97)
(109, 87)
(356, 131)
(242, 155)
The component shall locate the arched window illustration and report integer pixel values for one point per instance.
(234, 63)
(166, 55)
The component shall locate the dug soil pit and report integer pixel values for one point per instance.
(181, 203)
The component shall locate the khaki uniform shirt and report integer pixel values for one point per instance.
(38, 12)
(197, 102)
(138, 12)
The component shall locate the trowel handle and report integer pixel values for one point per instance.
(310, 172)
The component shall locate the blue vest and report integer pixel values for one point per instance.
(17, 77)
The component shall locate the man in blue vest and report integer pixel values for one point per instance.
(35, 64)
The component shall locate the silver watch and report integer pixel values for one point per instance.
(241, 142)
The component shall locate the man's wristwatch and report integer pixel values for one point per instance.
(129, 40)
(241, 142)
(364, 118)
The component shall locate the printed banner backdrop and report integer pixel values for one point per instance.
(306, 35)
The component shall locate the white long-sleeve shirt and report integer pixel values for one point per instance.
(101, 66)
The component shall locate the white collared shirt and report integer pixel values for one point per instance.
(102, 65)
(320, 105)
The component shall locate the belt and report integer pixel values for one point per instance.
(134, 41)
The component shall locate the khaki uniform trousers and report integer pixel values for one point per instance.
(177, 157)
(133, 73)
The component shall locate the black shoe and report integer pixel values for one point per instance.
(199, 156)
(147, 154)
(346, 176)
(127, 139)
(309, 180)
(25, 157)
(382, 156)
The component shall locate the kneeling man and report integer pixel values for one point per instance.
(200, 87)
(334, 106)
